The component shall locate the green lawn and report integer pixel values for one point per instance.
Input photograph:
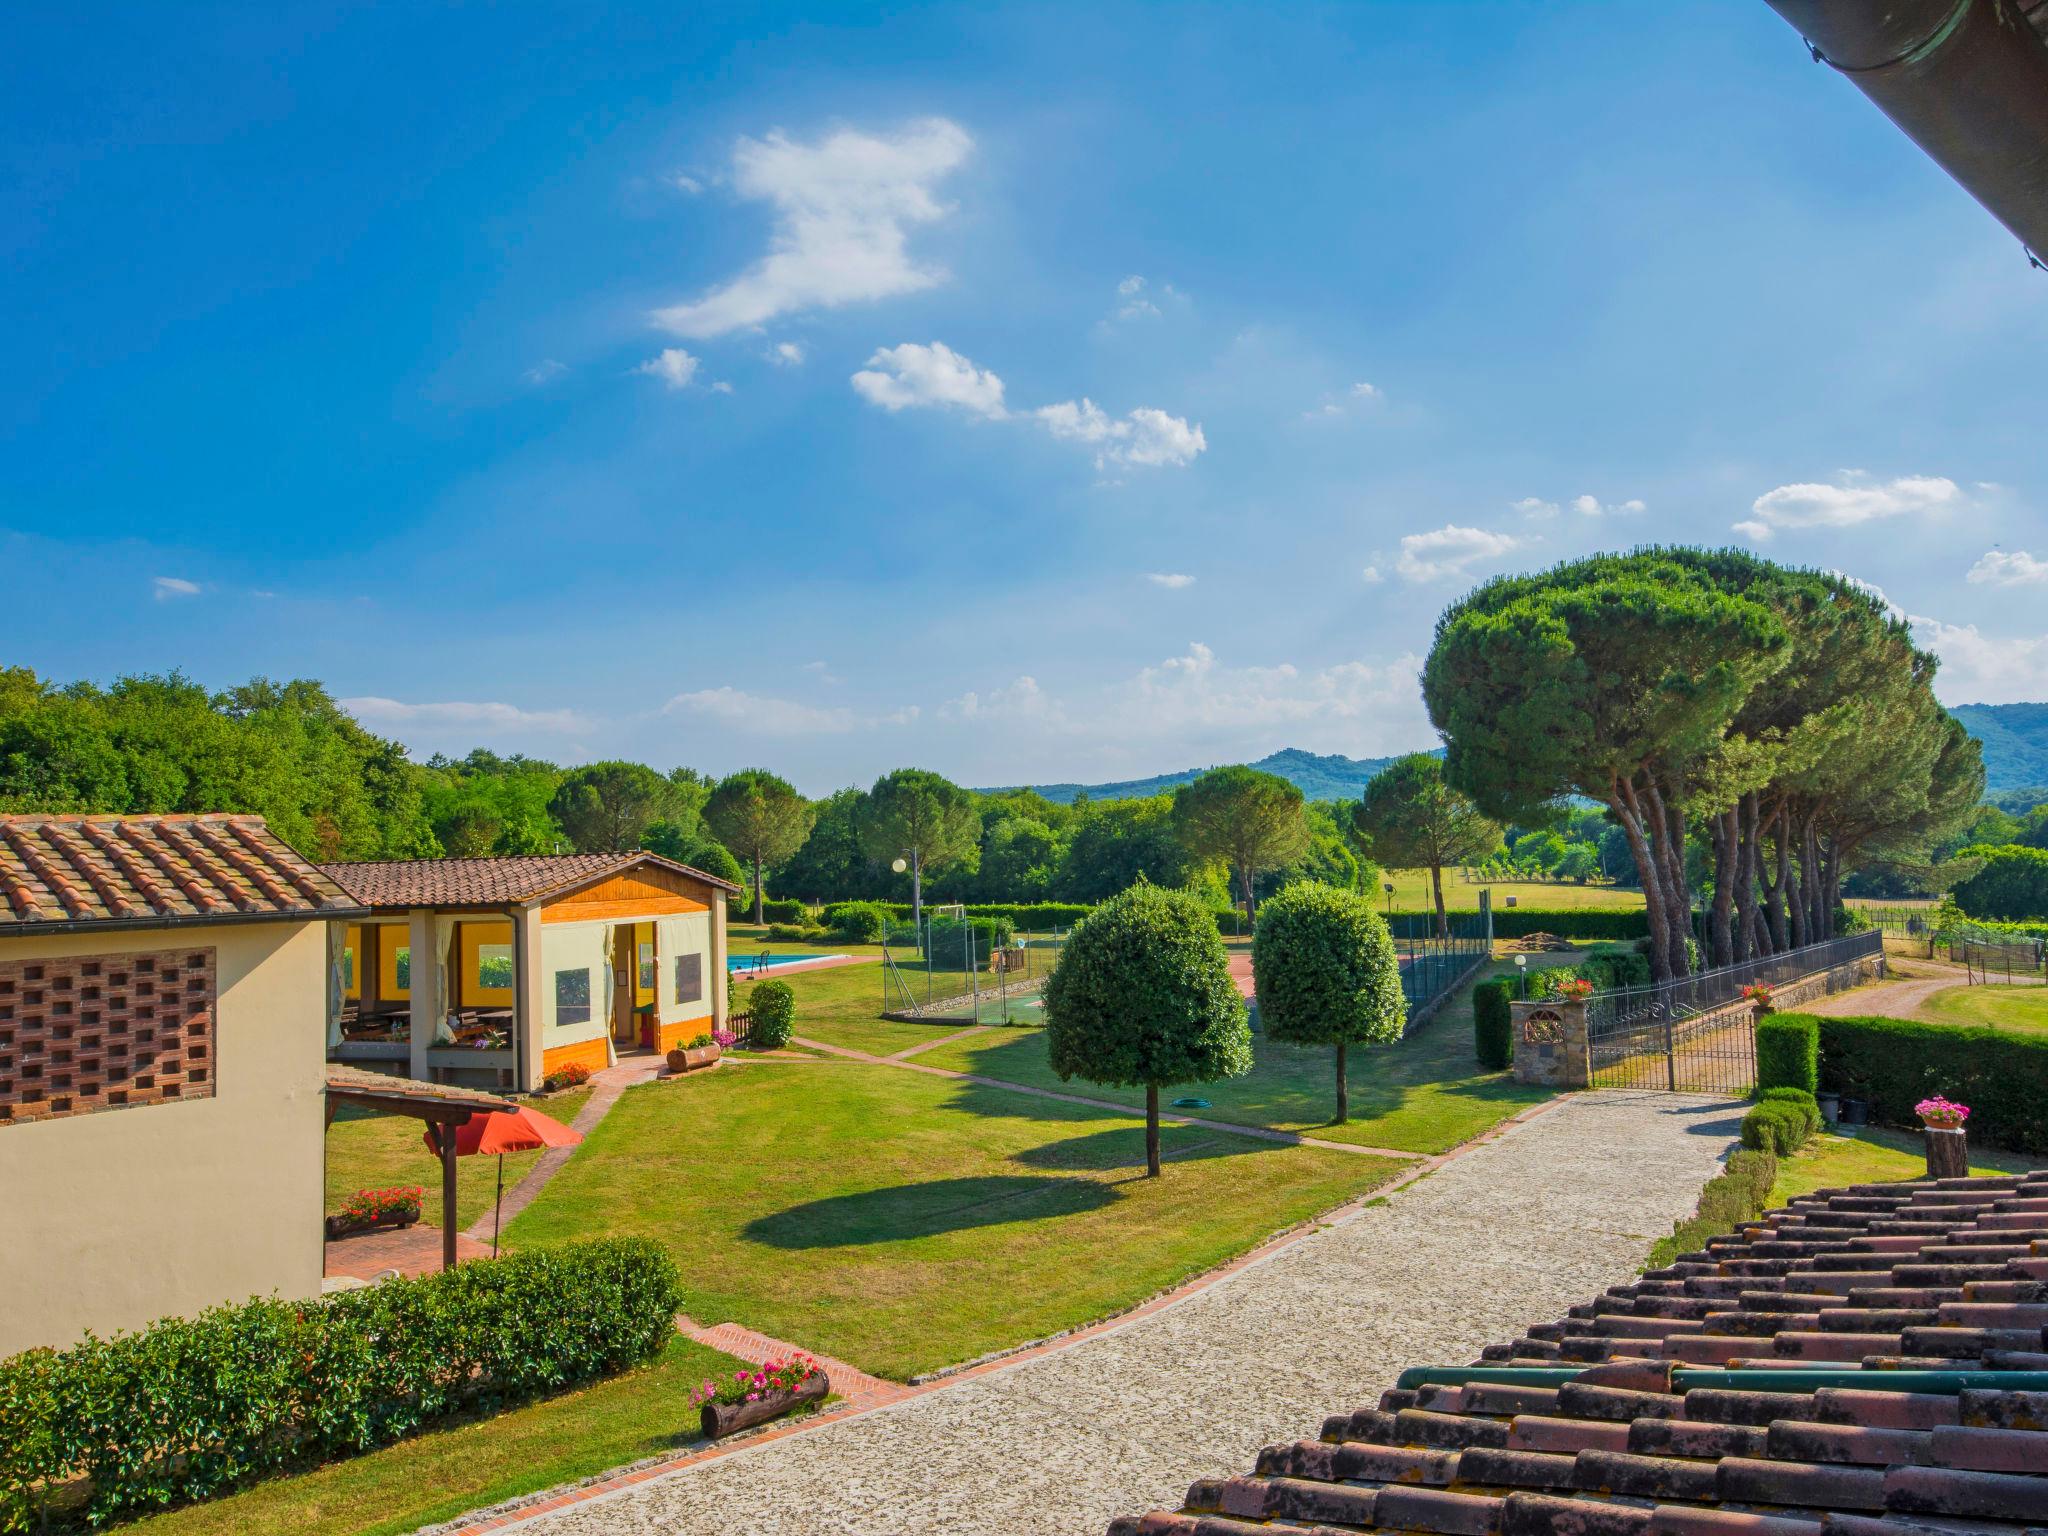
(437, 1476)
(1426, 1093)
(2000, 1007)
(1412, 893)
(905, 1222)
(842, 1006)
(1873, 1156)
(372, 1151)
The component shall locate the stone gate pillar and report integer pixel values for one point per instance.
(1550, 1043)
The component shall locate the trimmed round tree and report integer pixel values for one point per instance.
(1326, 974)
(1142, 997)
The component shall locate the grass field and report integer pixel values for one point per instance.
(1412, 893)
(904, 1222)
(371, 1151)
(1873, 1156)
(2000, 1007)
(437, 1476)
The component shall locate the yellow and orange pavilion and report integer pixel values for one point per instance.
(496, 972)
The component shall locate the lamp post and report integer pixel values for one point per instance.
(1522, 975)
(915, 865)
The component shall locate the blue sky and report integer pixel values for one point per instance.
(1026, 392)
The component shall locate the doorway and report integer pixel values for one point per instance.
(625, 1023)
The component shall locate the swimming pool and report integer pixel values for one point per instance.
(769, 964)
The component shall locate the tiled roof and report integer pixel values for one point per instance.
(76, 871)
(491, 882)
(1740, 1392)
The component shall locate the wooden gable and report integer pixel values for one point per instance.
(646, 891)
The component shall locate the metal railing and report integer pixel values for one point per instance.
(1431, 966)
(1665, 1036)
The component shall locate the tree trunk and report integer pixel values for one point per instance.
(1622, 802)
(1151, 1130)
(1443, 921)
(1343, 1088)
(1244, 880)
(757, 890)
(917, 893)
(1667, 851)
(1812, 883)
(1727, 855)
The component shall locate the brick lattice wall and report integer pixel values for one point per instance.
(93, 1032)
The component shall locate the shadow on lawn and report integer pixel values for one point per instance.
(910, 1211)
(1124, 1149)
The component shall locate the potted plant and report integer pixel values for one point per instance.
(369, 1209)
(1575, 990)
(751, 1397)
(1758, 996)
(697, 1053)
(1948, 1155)
(571, 1074)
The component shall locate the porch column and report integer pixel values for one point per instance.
(527, 981)
(427, 1009)
(717, 980)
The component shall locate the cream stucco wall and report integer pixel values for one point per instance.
(114, 1219)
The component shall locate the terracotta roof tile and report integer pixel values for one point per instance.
(511, 881)
(1626, 1439)
(59, 872)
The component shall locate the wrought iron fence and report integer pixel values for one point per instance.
(1989, 953)
(1677, 1035)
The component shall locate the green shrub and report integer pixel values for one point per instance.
(784, 910)
(772, 1007)
(1739, 1193)
(1799, 1099)
(796, 933)
(1777, 1127)
(189, 1408)
(857, 922)
(1893, 1064)
(1326, 973)
(1493, 1023)
(1787, 1052)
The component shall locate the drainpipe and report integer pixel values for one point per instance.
(1966, 80)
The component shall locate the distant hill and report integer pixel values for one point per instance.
(1319, 776)
(2015, 738)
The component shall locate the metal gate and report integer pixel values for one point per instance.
(1698, 1034)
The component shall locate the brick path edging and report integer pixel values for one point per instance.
(548, 1502)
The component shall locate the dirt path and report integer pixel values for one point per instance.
(1895, 997)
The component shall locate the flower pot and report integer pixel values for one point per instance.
(342, 1226)
(698, 1056)
(1948, 1152)
(1830, 1108)
(722, 1419)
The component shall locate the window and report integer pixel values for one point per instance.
(348, 972)
(401, 967)
(689, 978)
(572, 997)
(494, 965)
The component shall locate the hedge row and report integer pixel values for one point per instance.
(1892, 1064)
(1493, 1024)
(1782, 1123)
(190, 1408)
(1740, 1192)
(1787, 1052)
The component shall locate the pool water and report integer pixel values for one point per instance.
(768, 964)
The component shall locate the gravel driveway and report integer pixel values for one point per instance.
(1511, 1234)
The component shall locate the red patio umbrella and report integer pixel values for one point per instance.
(506, 1130)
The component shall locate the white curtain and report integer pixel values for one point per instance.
(337, 982)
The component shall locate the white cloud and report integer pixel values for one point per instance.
(168, 588)
(766, 715)
(844, 208)
(1854, 499)
(473, 715)
(914, 375)
(1749, 528)
(1592, 506)
(1449, 552)
(1021, 700)
(689, 186)
(545, 371)
(823, 672)
(787, 354)
(1372, 576)
(1192, 695)
(672, 365)
(1130, 285)
(1981, 669)
(2015, 568)
(1364, 391)
(1535, 506)
(1360, 395)
(1173, 580)
(721, 388)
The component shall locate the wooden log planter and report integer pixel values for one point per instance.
(722, 1419)
(1948, 1155)
(345, 1224)
(693, 1058)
